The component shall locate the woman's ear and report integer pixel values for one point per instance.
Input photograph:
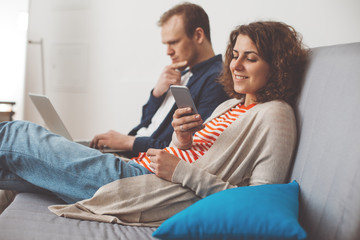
(199, 35)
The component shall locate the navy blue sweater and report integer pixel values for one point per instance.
(206, 92)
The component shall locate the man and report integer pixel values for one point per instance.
(185, 31)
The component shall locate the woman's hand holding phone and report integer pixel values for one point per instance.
(186, 125)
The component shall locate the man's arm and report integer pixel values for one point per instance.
(142, 144)
(148, 111)
(113, 140)
(170, 75)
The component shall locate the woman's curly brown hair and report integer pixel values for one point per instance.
(282, 48)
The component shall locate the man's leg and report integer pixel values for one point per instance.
(71, 171)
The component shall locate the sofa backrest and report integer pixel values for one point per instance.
(327, 162)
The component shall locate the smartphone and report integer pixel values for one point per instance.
(183, 97)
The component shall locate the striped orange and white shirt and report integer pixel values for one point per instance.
(203, 139)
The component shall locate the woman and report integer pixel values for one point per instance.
(248, 140)
(264, 62)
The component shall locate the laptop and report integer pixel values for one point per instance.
(54, 122)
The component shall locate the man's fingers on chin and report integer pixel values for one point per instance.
(179, 64)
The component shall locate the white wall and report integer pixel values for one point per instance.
(103, 56)
(13, 24)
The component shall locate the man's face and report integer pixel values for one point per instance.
(179, 46)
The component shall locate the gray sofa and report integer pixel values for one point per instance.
(326, 165)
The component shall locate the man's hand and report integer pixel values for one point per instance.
(114, 140)
(169, 76)
(162, 162)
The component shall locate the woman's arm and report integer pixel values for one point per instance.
(261, 156)
(198, 180)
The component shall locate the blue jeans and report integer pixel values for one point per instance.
(32, 159)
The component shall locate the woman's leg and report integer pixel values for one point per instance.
(71, 171)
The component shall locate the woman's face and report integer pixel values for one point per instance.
(249, 71)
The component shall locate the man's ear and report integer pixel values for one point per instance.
(199, 35)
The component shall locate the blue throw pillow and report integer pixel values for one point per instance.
(254, 212)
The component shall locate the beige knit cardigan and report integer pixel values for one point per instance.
(255, 149)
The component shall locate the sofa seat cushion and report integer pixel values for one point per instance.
(28, 217)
